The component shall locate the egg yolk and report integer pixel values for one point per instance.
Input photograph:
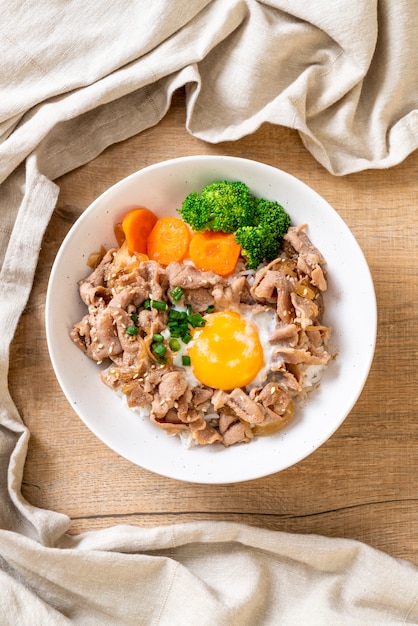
(226, 352)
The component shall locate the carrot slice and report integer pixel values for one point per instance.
(168, 240)
(215, 252)
(137, 225)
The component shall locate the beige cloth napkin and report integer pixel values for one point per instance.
(76, 77)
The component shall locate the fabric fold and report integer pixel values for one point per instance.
(77, 78)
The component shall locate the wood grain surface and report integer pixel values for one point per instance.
(361, 484)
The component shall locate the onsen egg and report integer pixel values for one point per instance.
(227, 351)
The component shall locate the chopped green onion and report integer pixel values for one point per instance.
(176, 293)
(196, 320)
(188, 310)
(147, 304)
(157, 338)
(132, 330)
(175, 332)
(186, 337)
(134, 317)
(210, 308)
(159, 349)
(156, 304)
(185, 360)
(174, 344)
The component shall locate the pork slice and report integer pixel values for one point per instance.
(318, 278)
(199, 299)
(265, 285)
(219, 399)
(285, 334)
(93, 295)
(80, 334)
(169, 423)
(153, 376)
(274, 286)
(244, 407)
(314, 338)
(300, 355)
(236, 433)
(306, 310)
(317, 335)
(121, 321)
(203, 433)
(172, 385)
(225, 421)
(297, 236)
(182, 407)
(95, 334)
(189, 277)
(136, 396)
(273, 396)
(229, 296)
(155, 279)
(310, 260)
(97, 277)
(200, 395)
(134, 294)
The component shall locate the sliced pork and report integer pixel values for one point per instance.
(128, 301)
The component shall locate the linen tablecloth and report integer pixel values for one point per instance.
(76, 77)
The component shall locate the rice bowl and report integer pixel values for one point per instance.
(162, 188)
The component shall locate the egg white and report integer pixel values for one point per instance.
(265, 323)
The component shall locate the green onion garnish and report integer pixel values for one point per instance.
(174, 344)
(176, 293)
(210, 308)
(134, 317)
(186, 337)
(185, 360)
(196, 320)
(157, 338)
(156, 304)
(159, 349)
(132, 330)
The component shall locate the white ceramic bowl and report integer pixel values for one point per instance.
(350, 309)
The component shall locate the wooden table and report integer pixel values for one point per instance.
(361, 484)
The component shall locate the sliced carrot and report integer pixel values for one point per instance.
(168, 240)
(214, 252)
(137, 225)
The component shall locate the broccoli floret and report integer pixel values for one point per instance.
(259, 224)
(262, 242)
(195, 212)
(253, 245)
(222, 205)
